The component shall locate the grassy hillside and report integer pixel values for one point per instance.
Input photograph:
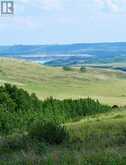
(104, 84)
(98, 139)
(59, 132)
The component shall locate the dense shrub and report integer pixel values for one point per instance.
(15, 142)
(50, 132)
(6, 102)
(6, 122)
(13, 99)
(67, 68)
(19, 109)
(17, 99)
(65, 110)
(82, 69)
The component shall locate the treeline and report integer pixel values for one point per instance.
(18, 108)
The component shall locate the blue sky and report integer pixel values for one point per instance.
(64, 21)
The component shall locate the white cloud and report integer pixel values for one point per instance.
(115, 6)
(19, 22)
(112, 5)
(50, 4)
(43, 4)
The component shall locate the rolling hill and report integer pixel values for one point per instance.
(98, 137)
(107, 85)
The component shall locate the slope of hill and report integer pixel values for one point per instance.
(97, 139)
(109, 86)
(65, 132)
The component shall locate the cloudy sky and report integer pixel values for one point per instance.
(64, 21)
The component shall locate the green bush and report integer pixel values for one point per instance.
(82, 69)
(67, 68)
(6, 102)
(20, 109)
(50, 132)
(6, 122)
(15, 142)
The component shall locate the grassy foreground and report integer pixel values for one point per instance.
(106, 85)
(95, 140)
(59, 132)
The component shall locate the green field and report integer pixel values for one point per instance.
(96, 132)
(107, 85)
(94, 140)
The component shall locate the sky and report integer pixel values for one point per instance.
(64, 21)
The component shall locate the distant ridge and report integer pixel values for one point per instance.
(72, 54)
(57, 48)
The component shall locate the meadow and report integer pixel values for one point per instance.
(107, 85)
(59, 132)
(52, 115)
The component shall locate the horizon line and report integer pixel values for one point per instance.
(60, 44)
